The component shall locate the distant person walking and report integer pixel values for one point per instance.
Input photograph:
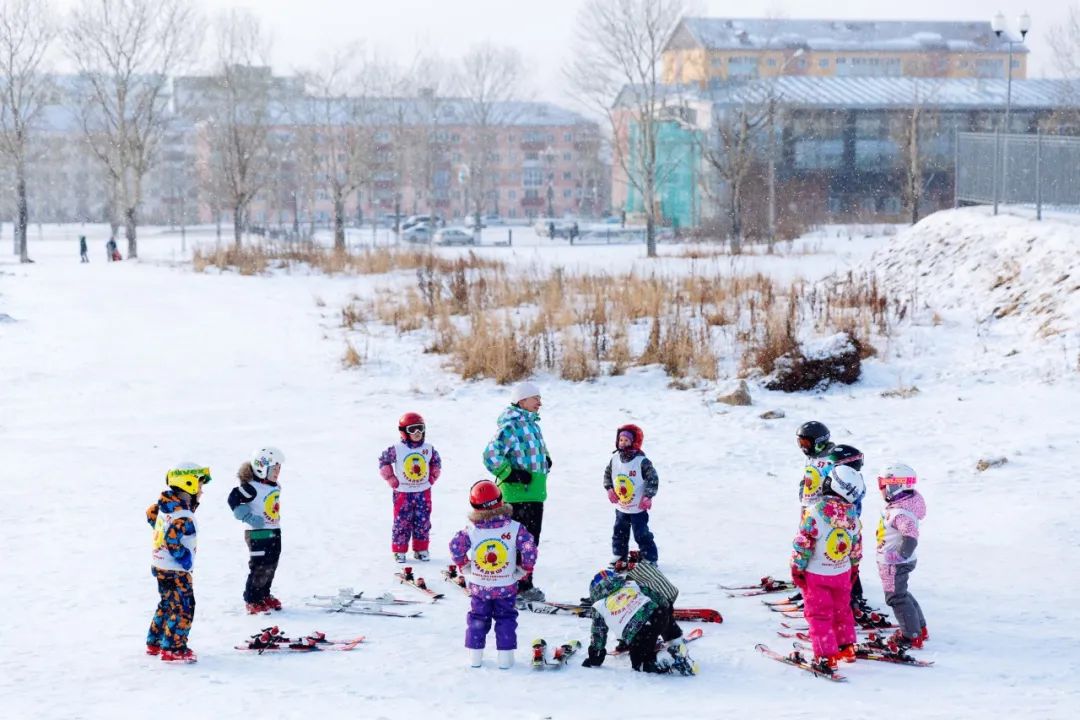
(551, 230)
(110, 249)
(83, 256)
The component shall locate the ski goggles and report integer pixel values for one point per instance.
(806, 443)
(883, 482)
(419, 427)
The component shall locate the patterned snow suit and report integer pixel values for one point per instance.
(641, 630)
(826, 547)
(899, 526)
(175, 612)
(412, 510)
(518, 458)
(492, 602)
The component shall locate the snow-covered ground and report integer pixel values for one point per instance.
(112, 372)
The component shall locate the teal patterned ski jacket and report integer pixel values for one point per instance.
(519, 445)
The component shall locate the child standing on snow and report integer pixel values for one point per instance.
(256, 502)
(897, 537)
(827, 547)
(813, 439)
(503, 551)
(172, 558)
(411, 467)
(631, 483)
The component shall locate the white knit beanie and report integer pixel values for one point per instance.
(522, 390)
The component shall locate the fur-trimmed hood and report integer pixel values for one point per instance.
(491, 516)
(246, 475)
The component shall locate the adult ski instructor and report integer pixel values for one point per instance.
(519, 460)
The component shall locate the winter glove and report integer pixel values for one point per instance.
(502, 472)
(612, 497)
(595, 659)
(549, 462)
(798, 577)
(185, 560)
(394, 482)
(517, 475)
(646, 503)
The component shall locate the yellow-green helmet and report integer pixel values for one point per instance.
(188, 476)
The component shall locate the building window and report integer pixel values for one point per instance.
(990, 68)
(567, 156)
(567, 175)
(568, 137)
(533, 177)
(890, 205)
(512, 194)
(771, 62)
(816, 154)
(823, 63)
(567, 193)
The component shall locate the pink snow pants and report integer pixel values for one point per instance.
(827, 607)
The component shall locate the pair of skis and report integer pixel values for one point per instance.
(406, 577)
(867, 652)
(661, 644)
(586, 611)
(560, 654)
(348, 602)
(764, 586)
(270, 641)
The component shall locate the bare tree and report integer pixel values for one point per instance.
(488, 80)
(1064, 41)
(908, 129)
(243, 111)
(735, 146)
(618, 71)
(26, 32)
(125, 51)
(342, 114)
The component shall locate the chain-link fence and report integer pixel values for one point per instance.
(1039, 170)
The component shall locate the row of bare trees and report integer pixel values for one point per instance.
(354, 122)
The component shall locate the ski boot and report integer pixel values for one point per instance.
(846, 654)
(898, 644)
(272, 603)
(870, 620)
(178, 655)
(309, 643)
(680, 659)
(539, 649)
(476, 657)
(422, 555)
(256, 608)
(533, 594)
(506, 659)
(400, 558)
(152, 649)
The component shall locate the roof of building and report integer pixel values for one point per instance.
(886, 92)
(839, 35)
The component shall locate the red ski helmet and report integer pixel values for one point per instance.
(485, 495)
(638, 433)
(409, 419)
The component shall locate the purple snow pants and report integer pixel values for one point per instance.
(482, 612)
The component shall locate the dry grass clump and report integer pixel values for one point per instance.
(578, 325)
(352, 358)
(254, 259)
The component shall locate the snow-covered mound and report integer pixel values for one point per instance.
(1003, 269)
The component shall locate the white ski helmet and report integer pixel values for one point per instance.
(845, 481)
(895, 479)
(263, 459)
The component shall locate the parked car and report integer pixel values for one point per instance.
(416, 234)
(542, 227)
(414, 220)
(454, 236)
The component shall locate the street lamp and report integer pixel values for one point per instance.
(997, 24)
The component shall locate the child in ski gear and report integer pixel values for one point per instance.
(897, 538)
(518, 458)
(826, 547)
(171, 561)
(410, 467)
(256, 502)
(852, 457)
(813, 439)
(638, 611)
(502, 552)
(631, 483)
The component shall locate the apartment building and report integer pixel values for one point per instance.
(708, 50)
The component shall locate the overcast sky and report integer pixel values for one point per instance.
(304, 30)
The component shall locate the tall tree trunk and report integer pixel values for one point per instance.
(238, 225)
(129, 231)
(22, 213)
(339, 222)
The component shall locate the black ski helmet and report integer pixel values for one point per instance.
(813, 438)
(846, 455)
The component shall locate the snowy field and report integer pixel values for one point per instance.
(113, 372)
